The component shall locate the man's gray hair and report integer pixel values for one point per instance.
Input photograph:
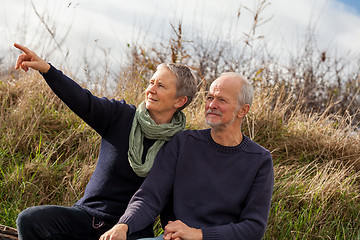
(246, 94)
(185, 81)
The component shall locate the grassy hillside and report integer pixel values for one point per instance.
(47, 155)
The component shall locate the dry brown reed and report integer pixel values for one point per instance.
(293, 134)
(48, 154)
(45, 153)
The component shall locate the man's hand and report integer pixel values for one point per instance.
(29, 59)
(118, 232)
(180, 231)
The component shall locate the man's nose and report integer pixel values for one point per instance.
(213, 104)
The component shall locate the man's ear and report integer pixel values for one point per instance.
(180, 101)
(244, 109)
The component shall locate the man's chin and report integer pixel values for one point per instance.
(214, 125)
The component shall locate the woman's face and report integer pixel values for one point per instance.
(160, 95)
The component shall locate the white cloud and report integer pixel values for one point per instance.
(114, 23)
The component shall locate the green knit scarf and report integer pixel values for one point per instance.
(144, 125)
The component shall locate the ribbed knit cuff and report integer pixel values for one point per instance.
(128, 221)
(210, 233)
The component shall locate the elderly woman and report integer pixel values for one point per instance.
(130, 140)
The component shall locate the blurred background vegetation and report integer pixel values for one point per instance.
(306, 112)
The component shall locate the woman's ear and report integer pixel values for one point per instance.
(180, 101)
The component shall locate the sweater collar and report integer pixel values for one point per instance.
(241, 147)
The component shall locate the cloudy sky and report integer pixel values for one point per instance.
(112, 24)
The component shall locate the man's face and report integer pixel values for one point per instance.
(160, 95)
(221, 108)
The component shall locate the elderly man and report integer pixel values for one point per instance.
(212, 184)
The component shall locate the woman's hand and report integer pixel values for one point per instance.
(118, 232)
(29, 59)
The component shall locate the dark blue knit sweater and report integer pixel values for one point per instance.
(225, 191)
(113, 182)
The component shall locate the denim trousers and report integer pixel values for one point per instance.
(58, 222)
(155, 238)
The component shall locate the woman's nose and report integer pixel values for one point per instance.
(151, 88)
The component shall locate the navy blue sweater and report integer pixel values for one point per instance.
(225, 191)
(113, 182)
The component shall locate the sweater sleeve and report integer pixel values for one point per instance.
(253, 220)
(152, 196)
(95, 111)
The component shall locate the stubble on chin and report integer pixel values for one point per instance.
(217, 126)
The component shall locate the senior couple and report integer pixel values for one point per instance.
(214, 183)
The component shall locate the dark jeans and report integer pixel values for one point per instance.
(57, 222)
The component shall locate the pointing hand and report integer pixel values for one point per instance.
(29, 59)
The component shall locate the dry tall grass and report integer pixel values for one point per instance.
(48, 154)
(305, 118)
(296, 135)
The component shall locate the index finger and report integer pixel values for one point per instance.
(22, 48)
